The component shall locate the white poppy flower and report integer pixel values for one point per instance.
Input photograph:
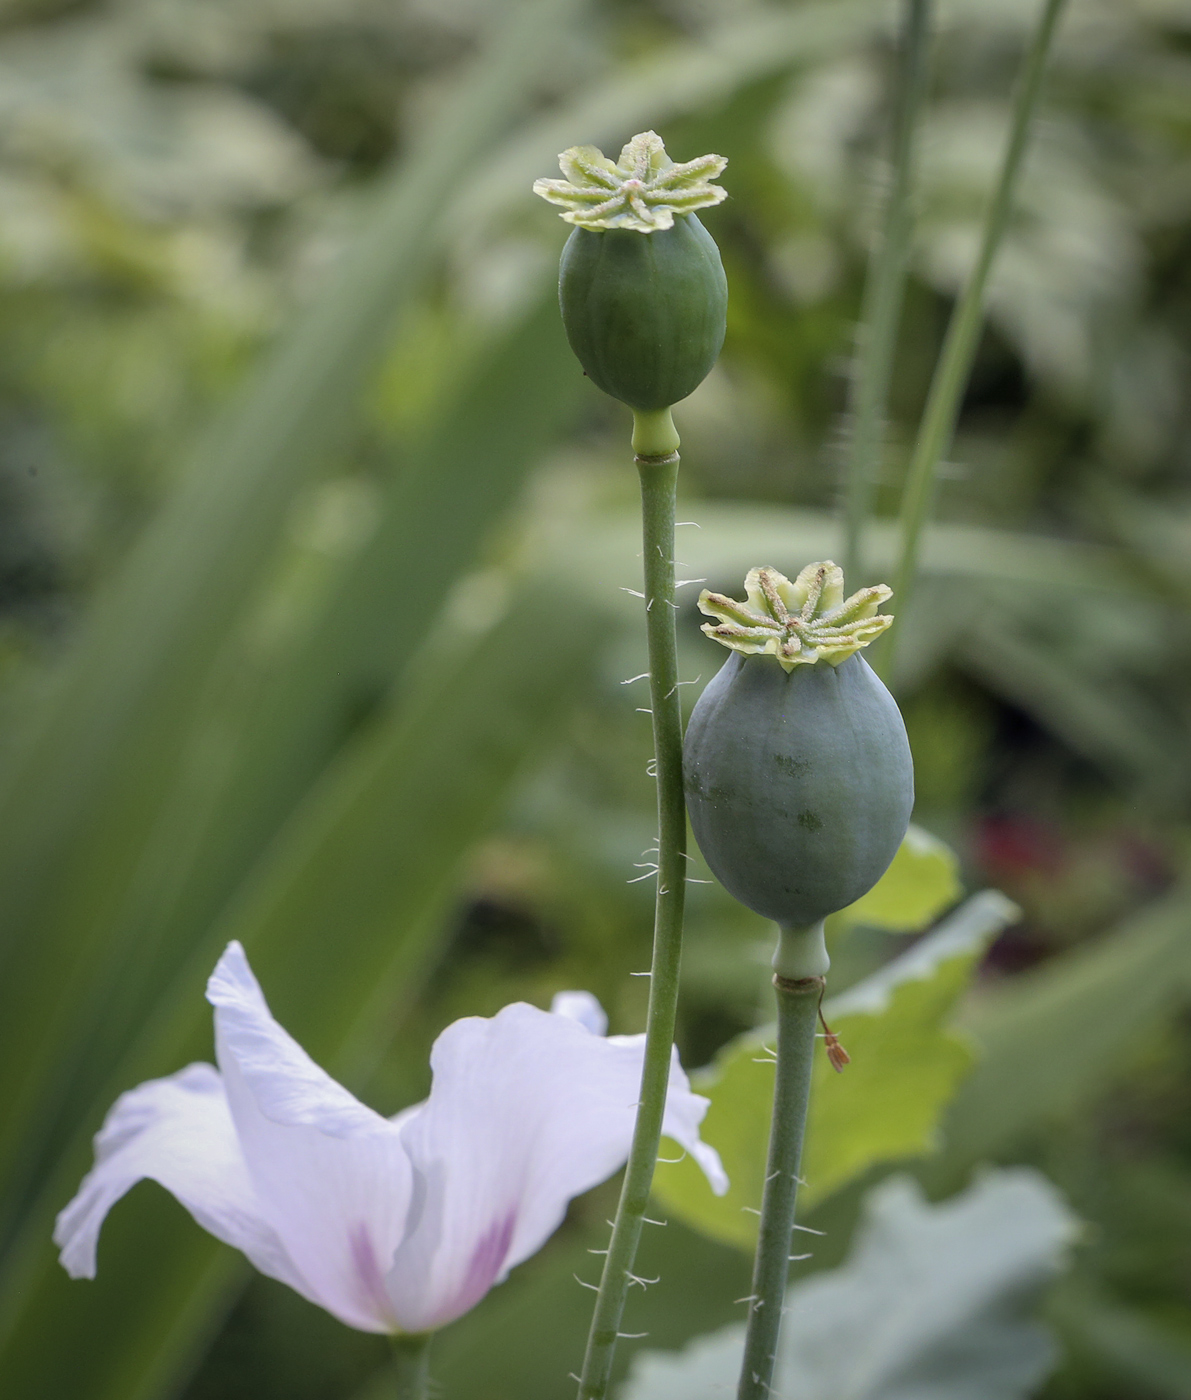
(392, 1225)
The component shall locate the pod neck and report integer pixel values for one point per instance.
(654, 434)
(801, 952)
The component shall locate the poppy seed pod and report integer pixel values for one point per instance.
(641, 285)
(645, 316)
(797, 767)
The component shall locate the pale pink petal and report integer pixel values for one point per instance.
(332, 1176)
(527, 1110)
(581, 1007)
(684, 1112)
(177, 1132)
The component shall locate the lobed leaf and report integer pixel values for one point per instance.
(906, 1065)
(934, 1303)
(920, 885)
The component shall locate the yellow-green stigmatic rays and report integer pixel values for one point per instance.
(641, 286)
(642, 191)
(798, 776)
(800, 623)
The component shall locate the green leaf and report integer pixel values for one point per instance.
(340, 921)
(906, 1065)
(934, 1303)
(921, 884)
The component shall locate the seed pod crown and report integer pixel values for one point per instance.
(800, 623)
(643, 190)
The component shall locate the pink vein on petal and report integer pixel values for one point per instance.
(482, 1269)
(368, 1273)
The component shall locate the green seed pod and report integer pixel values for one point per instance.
(798, 774)
(642, 289)
(645, 315)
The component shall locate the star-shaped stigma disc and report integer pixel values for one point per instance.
(643, 190)
(801, 622)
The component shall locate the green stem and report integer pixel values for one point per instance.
(937, 428)
(659, 477)
(797, 1016)
(411, 1366)
(883, 294)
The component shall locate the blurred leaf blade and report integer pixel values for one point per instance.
(83, 788)
(685, 77)
(1050, 1037)
(279, 716)
(733, 533)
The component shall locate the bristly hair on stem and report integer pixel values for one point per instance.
(659, 478)
(884, 289)
(951, 374)
(797, 1016)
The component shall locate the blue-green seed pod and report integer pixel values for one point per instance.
(799, 785)
(797, 768)
(644, 313)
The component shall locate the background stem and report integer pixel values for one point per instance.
(797, 1016)
(658, 482)
(937, 428)
(883, 294)
(411, 1366)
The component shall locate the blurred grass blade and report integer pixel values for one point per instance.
(685, 77)
(1128, 738)
(341, 921)
(85, 784)
(1051, 1038)
(884, 288)
(279, 715)
(963, 333)
(732, 534)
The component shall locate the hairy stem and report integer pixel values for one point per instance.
(883, 294)
(797, 1014)
(937, 428)
(411, 1366)
(659, 477)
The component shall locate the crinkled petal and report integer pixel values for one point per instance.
(588, 163)
(527, 1110)
(179, 1133)
(754, 590)
(643, 156)
(332, 1177)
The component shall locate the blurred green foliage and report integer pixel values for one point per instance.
(311, 632)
